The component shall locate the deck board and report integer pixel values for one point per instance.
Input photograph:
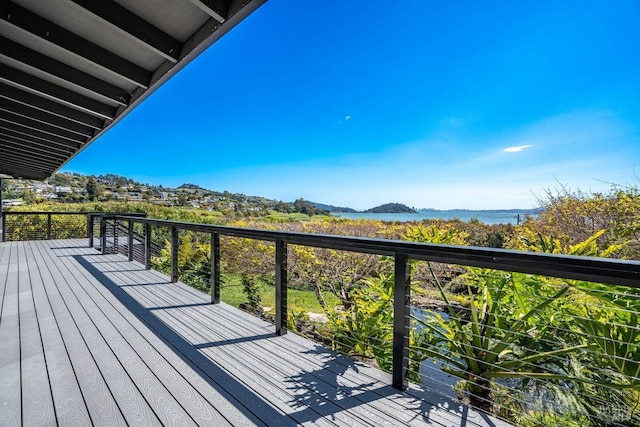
(70, 407)
(95, 339)
(10, 393)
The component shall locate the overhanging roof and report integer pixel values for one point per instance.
(71, 69)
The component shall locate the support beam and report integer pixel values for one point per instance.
(19, 163)
(217, 9)
(9, 117)
(43, 163)
(30, 22)
(63, 71)
(35, 146)
(45, 117)
(134, 27)
(45, 89)
(30, 152)
(22, 130)
(52, 107)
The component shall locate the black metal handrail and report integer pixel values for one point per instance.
(89, 215)
(607, 271)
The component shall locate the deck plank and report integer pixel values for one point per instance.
(10, 372)
(37, 403)
(161, 402)
(102, 407)
(375, 399)
(153, 351)
(237, 393)
(252, 361)
(120, 345)
(69, 403)
(375, 392)
(131, 402)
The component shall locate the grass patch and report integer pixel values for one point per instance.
(297, 299)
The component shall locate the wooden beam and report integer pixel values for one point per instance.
(11, 141)
(42, 127)
(61, 70)
(54, 92)
(19, 129)
(34, 101)
(28, 163)
(30, 152)
(217, 9)
(45, 117)
(30, 22)
(134, 27)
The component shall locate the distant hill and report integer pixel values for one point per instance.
(191, 187)
(391, 208)
(331, 208)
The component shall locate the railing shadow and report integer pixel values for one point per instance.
(243, 398)
(330, 382)
(317, 394)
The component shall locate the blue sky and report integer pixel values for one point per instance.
(455, 104)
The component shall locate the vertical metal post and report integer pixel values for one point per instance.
(103, 234)
(4, 226)
(215, 268)
(115, 236)
(90, 229)
(130, 241)
(147, 246)
(48, 226)
(401, 312)
(1, 213)
(174, 254)
(281, 287)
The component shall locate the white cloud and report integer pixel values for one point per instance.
(347, 118)
(517, 148)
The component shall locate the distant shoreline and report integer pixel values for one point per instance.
(490, 217)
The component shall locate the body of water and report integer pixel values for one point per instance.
(487, 217)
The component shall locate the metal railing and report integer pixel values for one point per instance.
(591, 269)
(537, 339)
(31, 225)
(43, 225)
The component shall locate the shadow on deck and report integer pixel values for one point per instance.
(96, 339)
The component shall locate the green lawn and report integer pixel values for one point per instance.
(231, 292)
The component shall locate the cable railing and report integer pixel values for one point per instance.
(33, 225)
(533, 338)
(44, 225)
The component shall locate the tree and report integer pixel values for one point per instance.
(94, 190)
(29, 197)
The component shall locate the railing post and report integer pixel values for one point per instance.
(4, 226)
(115, 236)
(401, 313)
(130, 240)
(103, 234)
(174, 254)
(90, 229)
(49, 226)
(147, 246)
(215, 268)
(281, 287)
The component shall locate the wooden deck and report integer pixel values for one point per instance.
(87, 339)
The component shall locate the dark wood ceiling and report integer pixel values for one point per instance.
(71, 69)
